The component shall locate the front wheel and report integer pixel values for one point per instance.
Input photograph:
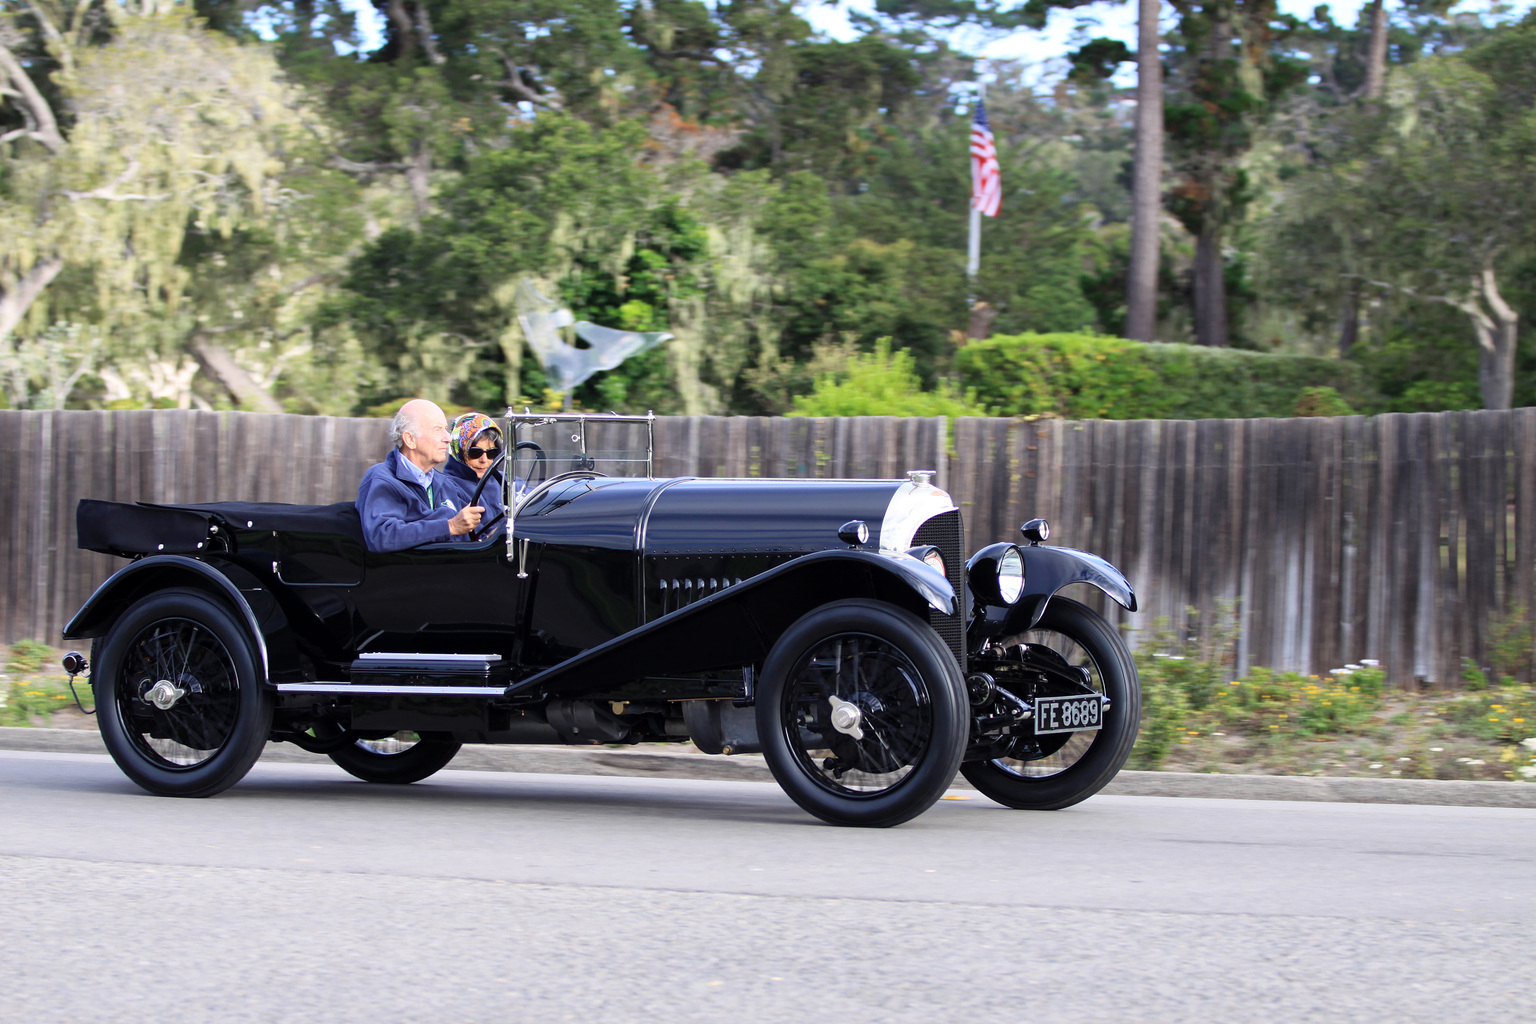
(179, 695)
(862, 714)
(397, 759)
(1047, 773)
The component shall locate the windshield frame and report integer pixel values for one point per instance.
(514, 498)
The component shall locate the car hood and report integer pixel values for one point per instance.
(694, 516)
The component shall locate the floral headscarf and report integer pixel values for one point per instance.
(466, 429)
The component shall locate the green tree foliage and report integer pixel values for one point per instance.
(808, 228)
(1078, 376)
(567, 204)
(181, 146)
(244, 205)
(1426, 197)
(884, 383)
(1229, 68)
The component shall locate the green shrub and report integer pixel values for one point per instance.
(1164, 710)
(33, 687)
(1299, 705)
(1322, 401)
(1085, 376)
(1510, 645)
(27, 657)
(1507, 716)
(23, 703)
(883, 383)
(1437, 396)
(1189, 690)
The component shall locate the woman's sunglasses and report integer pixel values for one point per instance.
(483, 453)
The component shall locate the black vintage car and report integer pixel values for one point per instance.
(832, 625)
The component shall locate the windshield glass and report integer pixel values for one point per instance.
(547, 445)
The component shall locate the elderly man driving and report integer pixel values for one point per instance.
(403, 501)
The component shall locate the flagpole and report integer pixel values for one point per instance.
(973, 250)
(973, 258)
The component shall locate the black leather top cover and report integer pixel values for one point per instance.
(119, 528)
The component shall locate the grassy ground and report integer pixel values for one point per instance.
(1198, 717)
(1195, 718)
(35, 691)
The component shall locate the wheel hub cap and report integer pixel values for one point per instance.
(847, 718)
(164, 694)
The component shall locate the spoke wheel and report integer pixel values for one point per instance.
(398, 758)
(1060, 769)
(866, 681)
(861, 712)
(183, 711)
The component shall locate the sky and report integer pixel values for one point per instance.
(1115, 20)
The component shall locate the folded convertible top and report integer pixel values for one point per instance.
(119, 528)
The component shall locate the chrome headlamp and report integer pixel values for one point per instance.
(1010, 575)
(995, 574)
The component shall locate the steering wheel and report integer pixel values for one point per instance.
(490, 473)
(474, 499)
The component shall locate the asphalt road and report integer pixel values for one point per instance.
(304, 896)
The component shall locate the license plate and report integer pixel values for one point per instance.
(1068, 714)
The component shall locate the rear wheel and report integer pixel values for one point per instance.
(397, 759)
(1046, 773)
(862, 714)
(181, 703)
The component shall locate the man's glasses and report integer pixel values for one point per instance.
(483, 453)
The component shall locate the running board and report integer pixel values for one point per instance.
(382, 661)
(404, 690)
(399, 672)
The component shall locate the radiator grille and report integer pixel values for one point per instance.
(945, 532)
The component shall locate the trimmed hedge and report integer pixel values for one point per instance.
(1085, 376)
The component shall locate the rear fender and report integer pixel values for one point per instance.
(738, 625)
(1046, 571)
(159, 572)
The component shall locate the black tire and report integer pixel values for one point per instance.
(912, 714)
(211, 734)
(1064, 772)
(377, 761)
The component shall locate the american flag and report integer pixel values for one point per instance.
(986, 178)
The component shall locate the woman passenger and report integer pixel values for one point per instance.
(474, 442)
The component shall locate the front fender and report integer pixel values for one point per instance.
(157, 572)
(737, 626)
(1046, 571)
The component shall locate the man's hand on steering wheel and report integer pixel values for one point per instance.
(466, 521)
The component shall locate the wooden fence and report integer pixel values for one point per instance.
(1405, 538)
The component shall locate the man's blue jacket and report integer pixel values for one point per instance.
(394, 508)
